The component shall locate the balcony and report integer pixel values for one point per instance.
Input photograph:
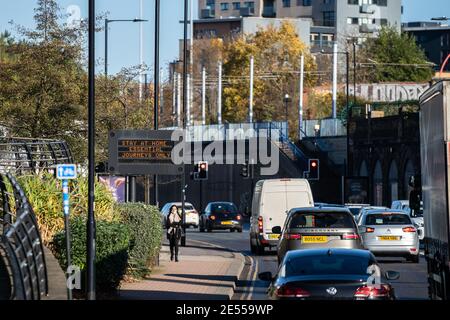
(367, 9)
(208, 13)
(368, 28)
(247, 12)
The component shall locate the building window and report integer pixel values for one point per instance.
(329, 18)
(224, 6)
(381, 3)
(250, 4)
(210, 4)
(236, 5)
(286, 3)
(304, 3)
(352, 20)
(353, 2)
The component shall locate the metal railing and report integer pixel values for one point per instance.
(21, 245)
(327, 128)
(22, 155)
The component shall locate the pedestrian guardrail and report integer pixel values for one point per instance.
(22, 155)
(21, 247)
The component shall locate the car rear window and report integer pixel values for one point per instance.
(223, 208)
(322, 220)
(326, 265)
(391, 219)
(186, 207)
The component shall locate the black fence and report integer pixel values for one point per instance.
(25, 156)
(23, 272)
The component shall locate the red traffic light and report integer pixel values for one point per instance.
(313, 164)
(203, 166)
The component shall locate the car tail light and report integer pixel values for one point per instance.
(212, 217)
(292, 236)
(350, 236)
(381, 291)
(409, 229)
(260, 224)
(238, 217)
(287, 291)
(370, 230)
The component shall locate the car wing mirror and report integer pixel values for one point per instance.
(265, 276)
(276, 230)
(392, 275)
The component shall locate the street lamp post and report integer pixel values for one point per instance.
(287, 99)
(107, 22)
(90, 228)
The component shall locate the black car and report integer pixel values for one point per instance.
(330, 274)
(221, 216)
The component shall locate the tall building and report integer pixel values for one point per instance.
(434, 38)
(331, 19)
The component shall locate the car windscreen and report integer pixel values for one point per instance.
(187, 207)
(390, 219)
(321, 220)
(223, 208)
(326, 265)
(354, 211)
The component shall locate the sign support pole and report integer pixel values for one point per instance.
(66, 206)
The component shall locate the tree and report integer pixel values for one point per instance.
(276, 53)
(44, 87)
(394, 57)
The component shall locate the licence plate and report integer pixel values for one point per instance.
(227, 222)
(389, 238)
(314, 239)
(274, 236)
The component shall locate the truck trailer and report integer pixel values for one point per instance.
(435, 161)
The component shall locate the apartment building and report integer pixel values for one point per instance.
(331, 19)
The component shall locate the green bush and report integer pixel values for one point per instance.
(45, 195)
(112, 243)
(146, 231)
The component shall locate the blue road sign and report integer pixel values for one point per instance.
(66, 171)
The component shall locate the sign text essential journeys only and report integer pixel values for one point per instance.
(142, 152)
(147, 150)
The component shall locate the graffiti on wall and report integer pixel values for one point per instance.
(390, 92)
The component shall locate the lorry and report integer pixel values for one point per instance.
(435, 181)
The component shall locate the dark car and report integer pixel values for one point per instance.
(330, 274)
(315, 228)
(221, 216)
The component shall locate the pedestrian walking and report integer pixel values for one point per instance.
(174, 221)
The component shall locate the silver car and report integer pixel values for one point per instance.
(318, 228)
(389, 233)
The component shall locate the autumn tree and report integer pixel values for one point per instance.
(276, 53)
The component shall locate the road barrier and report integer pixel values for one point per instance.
(21, 248)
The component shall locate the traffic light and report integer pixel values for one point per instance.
(102, 167)
(202, 170)
(314, 169)
(245, 171)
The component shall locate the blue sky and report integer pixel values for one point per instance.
(124, 37)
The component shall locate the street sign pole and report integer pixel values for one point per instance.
(66, 172)
(66, 207)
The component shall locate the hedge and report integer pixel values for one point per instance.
(112, 244)
(146, 232)
(45, 195)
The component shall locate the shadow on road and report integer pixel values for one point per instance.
(164, 295)
(204, 277)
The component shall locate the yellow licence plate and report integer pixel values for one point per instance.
(314, 239)
(389, 238)
(274, 236)
(227, 222)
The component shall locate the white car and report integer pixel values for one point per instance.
(417, 219)
(192, 217)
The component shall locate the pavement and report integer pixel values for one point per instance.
(57, 288)
(204, 272)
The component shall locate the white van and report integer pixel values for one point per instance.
(272, 200)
